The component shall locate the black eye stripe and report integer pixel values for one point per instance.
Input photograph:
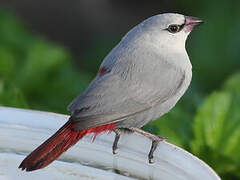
(174, 28)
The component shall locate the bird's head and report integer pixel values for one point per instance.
(170, 28)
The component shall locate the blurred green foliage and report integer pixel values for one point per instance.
(214, 133)
(35, 73)
(38, 74)
(217, 129)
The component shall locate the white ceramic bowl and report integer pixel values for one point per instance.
(21, 131)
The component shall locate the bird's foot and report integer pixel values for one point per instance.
(155, 141)
(118, 132)
(117, 137)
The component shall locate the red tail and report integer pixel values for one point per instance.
(60, 142)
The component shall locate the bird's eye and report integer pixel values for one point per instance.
(174, 28)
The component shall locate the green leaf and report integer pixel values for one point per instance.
(42, 61)
(233, 83)
(217, 132)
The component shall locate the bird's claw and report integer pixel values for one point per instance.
(155, 143)
(114, 150)
(115, 143)
(153, 148)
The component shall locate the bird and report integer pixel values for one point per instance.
(141, 79)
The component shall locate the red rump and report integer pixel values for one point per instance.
(60, 142)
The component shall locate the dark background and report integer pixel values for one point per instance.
(50, 51)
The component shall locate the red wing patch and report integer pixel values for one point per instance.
(103, 70)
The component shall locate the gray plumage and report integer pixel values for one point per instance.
(141, 79)
(147, 73)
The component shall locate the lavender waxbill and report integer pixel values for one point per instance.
(141, 79)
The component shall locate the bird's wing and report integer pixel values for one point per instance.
(116, 95)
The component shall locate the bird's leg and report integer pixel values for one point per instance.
(155, 141)
(117, 137)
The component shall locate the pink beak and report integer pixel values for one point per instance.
(191, 23)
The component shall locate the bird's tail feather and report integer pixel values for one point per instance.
(60, 142)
